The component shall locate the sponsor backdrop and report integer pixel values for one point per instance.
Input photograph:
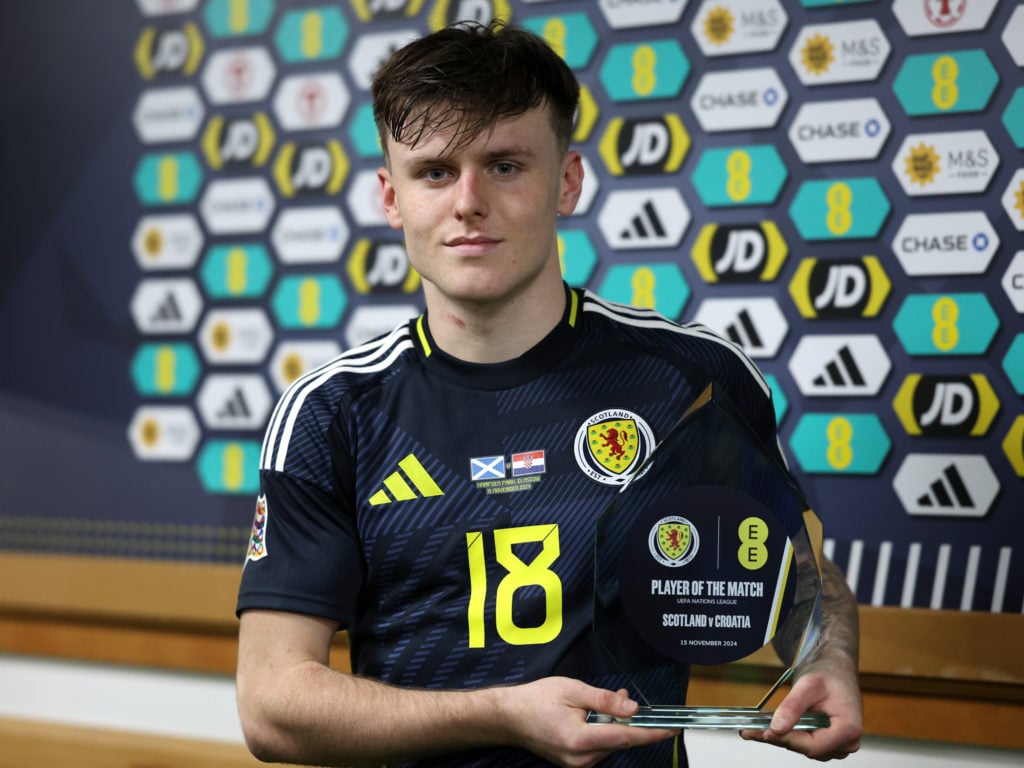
(838, 187)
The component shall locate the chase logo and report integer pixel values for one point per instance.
(844, 129)
(644, 146)
(739, 253)
(168, 114)
(309, 301)
(238, 142)
(832, 365)
(163, 433)
(237, 18)
(946, 83)
(622, 14)
(731, 28)
(942, 17)
(311, 234)
(644, 218)
(951, 163)
(945, 243)
(381, 266)
(169, 52)
(236, 206)
(842, 52)
(307, 101)
(168, 178)
(739, 99)
(236, 271)
(310, 169)
(756, 324)
(748, 175)
(238, 75)
(946, 485)
(839, 209)
(840, 289)
(311, 34)
(840, 443)
(234, 401)
(378, 10)
(655, 69)
(571, 35)
(655, 286)
(235, 336)
(410, 481)
(946, 406)
(230, 466)
(448, 12)
(946, 324)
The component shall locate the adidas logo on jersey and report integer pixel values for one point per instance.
(410, 481)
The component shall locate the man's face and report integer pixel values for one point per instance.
(479, 220)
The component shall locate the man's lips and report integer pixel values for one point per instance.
(473, 245)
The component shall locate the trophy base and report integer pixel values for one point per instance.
(722, 718)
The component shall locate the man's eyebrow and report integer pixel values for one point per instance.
(491, 155)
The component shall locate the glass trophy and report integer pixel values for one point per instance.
(708, 554)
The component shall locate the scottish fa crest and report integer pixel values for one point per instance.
(612, 444)
(673, 541)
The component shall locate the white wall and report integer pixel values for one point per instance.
(203, 706)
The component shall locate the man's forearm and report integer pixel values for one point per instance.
(840, 623)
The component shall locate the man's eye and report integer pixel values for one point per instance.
(435, 174)
(504, 169)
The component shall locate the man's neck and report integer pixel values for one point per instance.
(492, 332)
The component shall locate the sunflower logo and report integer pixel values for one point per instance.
(818, 54)
(719, 25)
(922, 164)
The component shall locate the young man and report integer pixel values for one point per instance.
(432, 492)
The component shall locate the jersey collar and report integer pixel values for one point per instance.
(492, 376)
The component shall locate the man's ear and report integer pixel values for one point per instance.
(572, 183)
(388, 198)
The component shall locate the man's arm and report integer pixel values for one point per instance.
(827, 682)
(294, 708)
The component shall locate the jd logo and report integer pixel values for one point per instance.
(842, 289)
(946, 406)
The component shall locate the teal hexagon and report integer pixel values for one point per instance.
(747, 175)
(779, 400)
(840, 443)
(1013, 363)
(571, 35)
(1013, 117)
(311, 34)
(229, 466)
(656, 286)
(309, 301)
(236, 271)
(946, 324)
(168, 178)
(363, 132)
(839, 209)
(654, 69)
(577, 256)
(165, 369)
(231, 18)
(946, 83)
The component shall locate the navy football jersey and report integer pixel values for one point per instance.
(443, 512)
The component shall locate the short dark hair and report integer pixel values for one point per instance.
(467, 77)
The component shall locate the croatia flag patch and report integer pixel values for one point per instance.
(529, 463)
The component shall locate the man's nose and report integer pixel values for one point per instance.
(470, 196)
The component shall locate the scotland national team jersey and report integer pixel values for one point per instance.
(442, 512)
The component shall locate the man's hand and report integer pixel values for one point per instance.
(549, 719)
(828, 686)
